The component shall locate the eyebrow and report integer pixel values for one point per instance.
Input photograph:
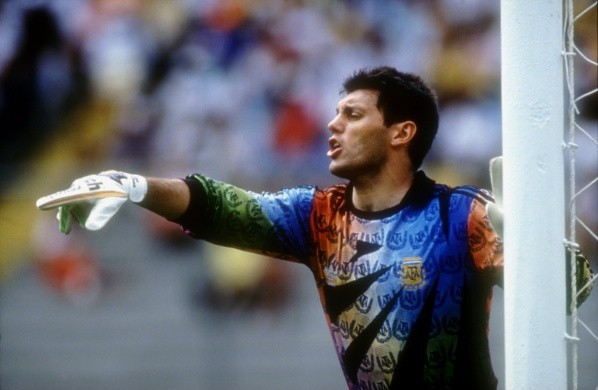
(349, 106)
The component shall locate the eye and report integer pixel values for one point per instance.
(351, 113)
(355, 115)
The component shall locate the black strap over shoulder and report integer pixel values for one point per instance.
(444, 203)
(481, 195)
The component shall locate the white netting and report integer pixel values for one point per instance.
(582, 144)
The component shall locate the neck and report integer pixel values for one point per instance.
(382, 191)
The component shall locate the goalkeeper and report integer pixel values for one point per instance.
(404, 266)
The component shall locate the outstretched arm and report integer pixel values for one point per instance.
(272, 223)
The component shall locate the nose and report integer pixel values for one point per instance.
(335, 124)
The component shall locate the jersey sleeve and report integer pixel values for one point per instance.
(274, 224)
(485, 245)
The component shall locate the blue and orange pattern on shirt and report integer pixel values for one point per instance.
(406, 292)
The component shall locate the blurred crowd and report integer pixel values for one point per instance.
(239, 88)
(187, 80)
(242, 90)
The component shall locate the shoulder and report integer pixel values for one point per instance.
(461, 204)
(333, 197)
(481, 195)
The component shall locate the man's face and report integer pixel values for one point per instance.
(359, 142)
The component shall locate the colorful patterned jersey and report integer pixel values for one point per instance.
(406, 291)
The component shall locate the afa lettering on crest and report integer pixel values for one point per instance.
(412, 273)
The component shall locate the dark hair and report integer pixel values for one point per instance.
(402, 96)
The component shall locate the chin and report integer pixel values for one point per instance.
(338, 171)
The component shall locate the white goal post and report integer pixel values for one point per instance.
(534, 194)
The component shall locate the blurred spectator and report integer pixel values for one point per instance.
(42, 81)
(242, 281)
(295, 130)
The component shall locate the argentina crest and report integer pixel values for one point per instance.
(412, 273)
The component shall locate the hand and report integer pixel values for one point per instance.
(93, 200)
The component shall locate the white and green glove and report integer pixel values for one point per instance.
(93, 200)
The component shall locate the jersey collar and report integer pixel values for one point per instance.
(419, 194)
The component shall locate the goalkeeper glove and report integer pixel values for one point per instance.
(584, 279)
(93, 200)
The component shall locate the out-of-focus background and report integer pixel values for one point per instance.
(241, 90)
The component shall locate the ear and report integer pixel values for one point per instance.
(402, 133)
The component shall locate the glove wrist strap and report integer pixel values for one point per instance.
(137, 188)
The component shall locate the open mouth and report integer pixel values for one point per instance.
(334, 148)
